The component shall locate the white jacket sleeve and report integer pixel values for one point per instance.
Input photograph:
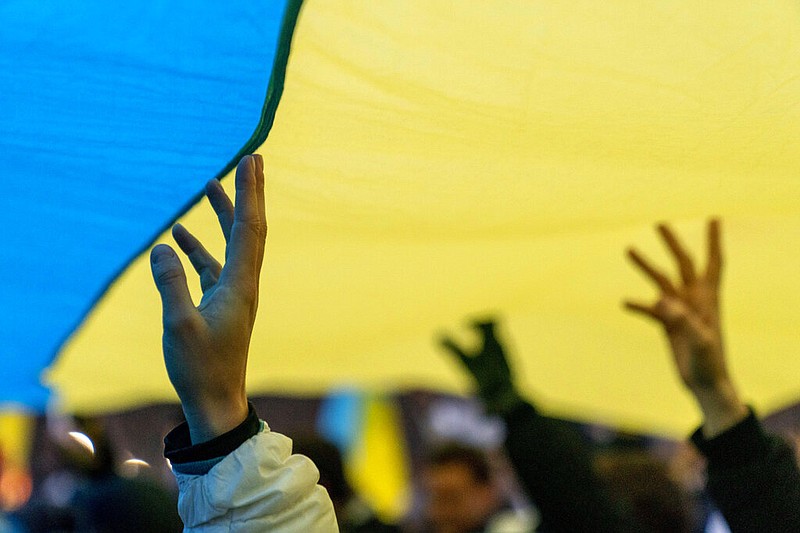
(260, 487)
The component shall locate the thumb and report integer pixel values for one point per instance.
(170, 281)
(450, 345)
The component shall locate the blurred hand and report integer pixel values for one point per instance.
(206, 347)
(689, 313)
(488, 365)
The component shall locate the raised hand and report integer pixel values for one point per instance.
(488, 365)
(688, 310)
(206, 347)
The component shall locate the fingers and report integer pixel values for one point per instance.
(450, 345)
(685, 263)
(261, 196)
(714, 267)
(642, 309)
(203, 262)
(170, 280)
(486, 327)
(249, 230)
(670, 312)
(654, 274)
(673, 314)
(222, 206)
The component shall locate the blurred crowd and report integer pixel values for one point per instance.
(457, 479)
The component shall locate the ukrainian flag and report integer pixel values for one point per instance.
(425, 160)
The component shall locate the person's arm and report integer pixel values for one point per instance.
(551, 459)
(753, 477)
(233, 473)
(689, 314)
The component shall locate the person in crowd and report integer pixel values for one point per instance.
(233, 473)
(461, 495)
(552, 460)
(353, 514)
(752, 475)
(643, 481)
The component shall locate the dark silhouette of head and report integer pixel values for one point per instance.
(642, 482)
(460, 491)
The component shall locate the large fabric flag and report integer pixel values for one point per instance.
(112, 115)
(428, 160)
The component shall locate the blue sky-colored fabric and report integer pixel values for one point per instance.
(113, 115)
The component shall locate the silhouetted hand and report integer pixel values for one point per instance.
(205, 347)
(689, 314)
(488, 365)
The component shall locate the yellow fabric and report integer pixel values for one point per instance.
(16, 434)
(433, 159)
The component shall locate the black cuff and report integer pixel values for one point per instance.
(501, 400)
(520, 409)
(178, 446)
(737, 445)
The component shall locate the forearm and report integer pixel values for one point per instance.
(554, 464)
(752, 477)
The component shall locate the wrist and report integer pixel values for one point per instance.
(199, 459)
(208, 419)
(499, 400)
(721, 408)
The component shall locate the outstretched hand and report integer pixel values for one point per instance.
(689, 313)
(488, 366)
(206, 347)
